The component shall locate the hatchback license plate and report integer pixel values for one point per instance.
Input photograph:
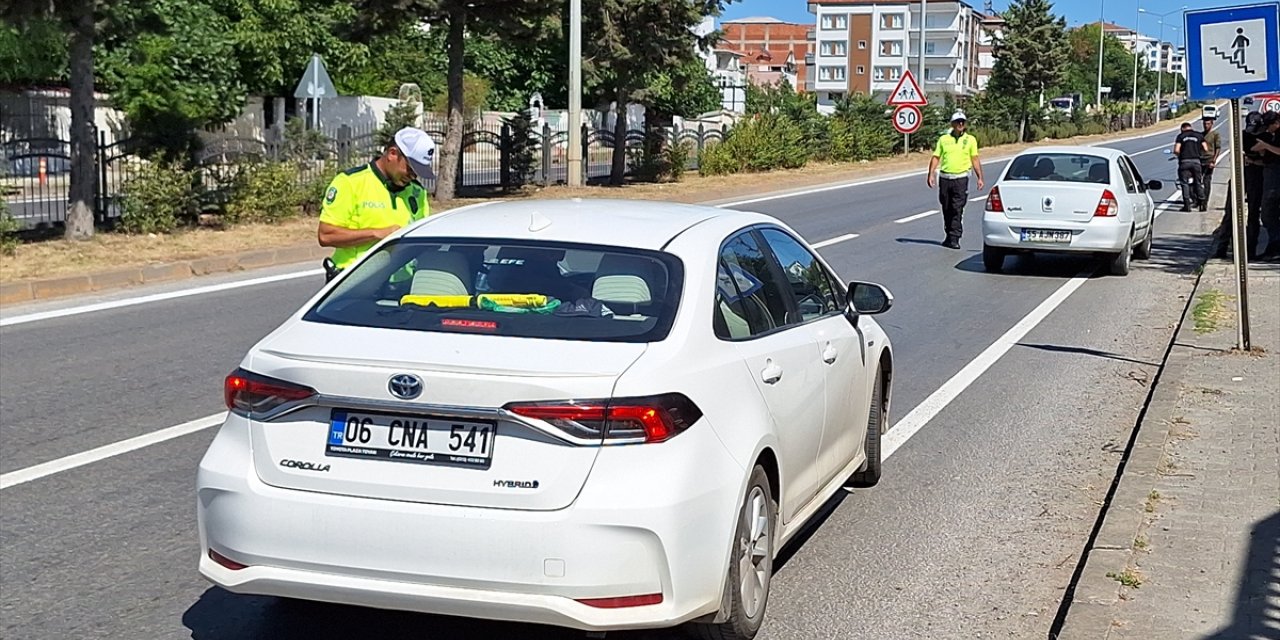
(413, 439)
(1046, 235)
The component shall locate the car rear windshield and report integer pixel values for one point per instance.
(509, 288)
(1060, 167)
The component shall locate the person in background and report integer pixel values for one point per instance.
(1252, 194)
(1210, 158)
(1188, 147)
(1269, 146)
(954, 156)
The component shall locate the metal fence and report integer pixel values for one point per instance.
(35, 169)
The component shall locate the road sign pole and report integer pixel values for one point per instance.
(1239, 240)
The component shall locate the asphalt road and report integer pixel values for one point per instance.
(973, 533)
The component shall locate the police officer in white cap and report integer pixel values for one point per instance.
(367, 203)
(955, 155)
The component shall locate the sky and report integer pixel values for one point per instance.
(1121, 12)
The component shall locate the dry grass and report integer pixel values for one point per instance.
(106, 251)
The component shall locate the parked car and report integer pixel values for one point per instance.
(593, 414)
(1070, 200)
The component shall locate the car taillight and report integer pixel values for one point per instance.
(993, 201)
(618, 421)
(1107, 206)
(249, 394)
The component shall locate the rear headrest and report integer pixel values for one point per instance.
(1099, 173)
(441, 273)
(623, 279)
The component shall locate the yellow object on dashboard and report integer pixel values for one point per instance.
(463, 302)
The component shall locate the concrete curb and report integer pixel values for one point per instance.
(1091, 613)
(49, 288)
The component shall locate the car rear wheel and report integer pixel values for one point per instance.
(1143, 250)
(869, 474)
(1120, 262)
(751, 565)
(992, 258)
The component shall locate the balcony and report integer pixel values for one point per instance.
(808, 58)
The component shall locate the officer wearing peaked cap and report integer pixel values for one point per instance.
(954, 156)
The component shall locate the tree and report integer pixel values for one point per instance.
(1030, 55)
(33, 52)
(172, 67)
(79, 19)
(1081, 74)
(632, 40)
(460, 18)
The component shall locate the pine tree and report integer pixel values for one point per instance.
(1030, 55)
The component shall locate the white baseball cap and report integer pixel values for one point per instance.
(419, 149)
(959, 115)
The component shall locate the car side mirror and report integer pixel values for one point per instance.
(869, 298)
(1155, 185)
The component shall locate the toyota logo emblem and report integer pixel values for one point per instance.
(405, 385)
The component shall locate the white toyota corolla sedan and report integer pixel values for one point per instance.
(587, 413)
(1070, 200)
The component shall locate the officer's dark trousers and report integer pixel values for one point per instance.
(953, 195)
(1270, 213)
(1253, 209)
(1191, 173)
(1207, 173)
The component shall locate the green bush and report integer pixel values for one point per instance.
(764, 143)
(8, 230)
(717, 160)
(861, 130)
(265, 192)
(311, 192)
(157, 197)
(992, 136)
(524, 140)
(676, 157)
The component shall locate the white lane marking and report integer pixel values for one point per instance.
(977, 198)
(128, 302)
(14, 478)
(158, 297)
(910, 424)
(917, 216)
(835, 240)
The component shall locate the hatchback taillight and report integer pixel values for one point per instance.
(993, 201)
(250, 394)
(618, 421)
(1107, 206)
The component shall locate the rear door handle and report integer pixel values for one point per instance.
(830, 354)
(771, 373)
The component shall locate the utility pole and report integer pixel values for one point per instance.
(924, 12)
(1102, 32)
(575, 94)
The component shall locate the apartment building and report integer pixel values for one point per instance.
(773, 50)
(863, 46)
(992, 28)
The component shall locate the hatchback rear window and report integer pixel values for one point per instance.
(510, 288)
(1060, 167)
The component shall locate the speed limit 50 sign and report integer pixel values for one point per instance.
(906, 118)
(1270, 104)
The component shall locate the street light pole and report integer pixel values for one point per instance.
(1160, 63)
(575, 94)
(1133, 112)
(1102, 32)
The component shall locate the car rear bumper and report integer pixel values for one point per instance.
(669, 536)
(1098, 235)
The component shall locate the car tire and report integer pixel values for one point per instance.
(1143, 251)
(1120, 262)
(992, 258)
(869, 475)
(750, 566)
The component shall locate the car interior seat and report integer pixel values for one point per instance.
(442, 273)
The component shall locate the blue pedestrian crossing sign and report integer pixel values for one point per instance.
(1233, 52)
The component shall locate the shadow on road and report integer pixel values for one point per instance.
(219, 614)
(1257, 610)
(1086, 351)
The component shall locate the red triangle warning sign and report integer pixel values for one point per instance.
(908, 92)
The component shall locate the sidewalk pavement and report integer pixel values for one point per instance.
(1190, 545)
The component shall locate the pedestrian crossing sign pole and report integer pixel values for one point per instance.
(1232, 53)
